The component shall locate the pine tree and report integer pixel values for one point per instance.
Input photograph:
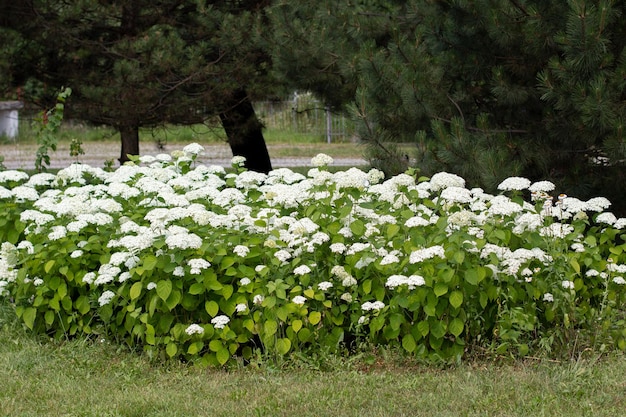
(145, 63)
(490, 89)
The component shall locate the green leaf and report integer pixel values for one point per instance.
(283, 345)
(195, 347)
(82, 304)
(315, 317)
(456, 299)
(475, 275)
(396, 320)
(438, 329)
(48, 265)
(392, 230)
(357, 227)
(423, 327)
(222, 355)
(269, 328)
(456, 326)
(135, 290)
(216, 345)
(227, 262)
(28, 316)
(296, 325)
(49, 317)
(171, 349)
(440, 289)
(196, 288)
(164, 288)
(149, 262)
(227, 291)
(574, 263)
(408, 343)
(173, 300)
(212, 308)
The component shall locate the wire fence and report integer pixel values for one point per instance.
(303, 113)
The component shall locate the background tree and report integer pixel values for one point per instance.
(486, 89)
(146, 63)
(491, 89)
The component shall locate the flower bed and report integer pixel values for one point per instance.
(193, 262)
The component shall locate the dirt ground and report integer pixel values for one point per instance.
(22, 156)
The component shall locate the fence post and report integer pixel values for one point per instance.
(329, 125)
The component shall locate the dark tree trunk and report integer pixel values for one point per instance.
(130, 141)
(245, 133)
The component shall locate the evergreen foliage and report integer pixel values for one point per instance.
(486, 89)
(490, 89)
(141, 63)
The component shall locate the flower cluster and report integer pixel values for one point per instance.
(160, 244)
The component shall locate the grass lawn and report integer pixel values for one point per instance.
(85, 378)
(79, 378)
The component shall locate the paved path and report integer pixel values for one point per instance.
(20, 156)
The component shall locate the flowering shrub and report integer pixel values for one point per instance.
(195, 262)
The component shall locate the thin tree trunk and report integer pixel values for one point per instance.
(245, 133)
(130, 141)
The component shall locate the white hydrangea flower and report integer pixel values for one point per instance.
(38, 281)
(238, 160)
(302, 270)
(197, 265)
(106, 297)
(219, 322)
(421, 255)
(151, 286)
(183, 241)
(389, 259)
(240, 308)
(58, 232)
(416, 221)
(598, 204)
(325, 285)
(514, 184)
(89, 278)
(298, 299)
(244, 281)
(548, 297)
(241, 250)
(568, 285)
(606, 218)
(349, 281)
(619, 280)
(258, 299)
(338, 248)
(347, 297)
(282, 255)
(443, 180)
(456, 195)
(193, 149)
(542, 187)
(194, 329)
(321, 160)
(372, 305)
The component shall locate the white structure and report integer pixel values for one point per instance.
(9, 119)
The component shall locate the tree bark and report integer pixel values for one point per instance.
(245, 133)
(130, 141)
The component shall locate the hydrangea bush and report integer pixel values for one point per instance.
(193, 262)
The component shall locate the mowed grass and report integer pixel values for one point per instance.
(280, 143)
(84, 378)
(39, 377)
